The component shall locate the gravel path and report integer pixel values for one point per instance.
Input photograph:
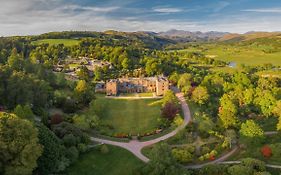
(136, 146)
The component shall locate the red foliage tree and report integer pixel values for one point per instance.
(56, 119)
(169, 111)
(212, 157)
(266, 151)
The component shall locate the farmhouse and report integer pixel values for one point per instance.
(159, 85)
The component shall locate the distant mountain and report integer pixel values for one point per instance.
(182, 35)
(252, 35)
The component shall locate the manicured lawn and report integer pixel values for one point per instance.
(131, 116)
(117, 162)
(145, 94)
(66, 42)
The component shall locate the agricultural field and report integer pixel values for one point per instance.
(65, 42)
(243, 55)
(117, 161)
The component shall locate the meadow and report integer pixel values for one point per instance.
(65, 42)
(243, 55)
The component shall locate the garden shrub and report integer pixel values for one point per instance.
(182, 155)
(104, 149)
(266, 151)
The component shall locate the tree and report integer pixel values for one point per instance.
(279, 124)
(255, 164)
(182, 155)
(169, 111)
(152, 67)
(251, 129)
(56, 119)
(24, 112)
(277, 109)
(162, 162)
(174, 78)
(228, 112)
(15, 61)
(83, 92)
(72, 154)
(81, 86)
(169, 97)
(251, 132)
(184, 82)
(19, 145)
(266, 102)
(239, 169)
(204, 122)
(200, 95)
(213, 169)
(51, 160)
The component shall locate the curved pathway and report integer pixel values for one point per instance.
(222, 159)
(136, 146)
(238, 162)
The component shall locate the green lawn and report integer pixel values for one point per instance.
(144, 94)
(117, 162)
(131, 116)
(66, 42)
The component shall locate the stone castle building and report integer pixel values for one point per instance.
(159, 85)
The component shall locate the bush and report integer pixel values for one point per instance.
(82, 148)
(266, 151)
(182, 155)
(56, 119)
(72, 154)
(169, 111)
(205, 150)
(104, 149)
(69, 140)
(178, 120)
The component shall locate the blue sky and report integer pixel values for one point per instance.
(25, 17)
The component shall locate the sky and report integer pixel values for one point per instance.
(28, 17)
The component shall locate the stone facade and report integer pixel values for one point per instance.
(158, 84)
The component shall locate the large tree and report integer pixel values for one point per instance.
(162, 162)
(19, 147)
(228, 112)
(200, 95)
(51, 160)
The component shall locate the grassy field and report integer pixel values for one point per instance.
(117, 162)
(131, 116)
(66, 42)
(245, 55)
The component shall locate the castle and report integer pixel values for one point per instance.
(159, 85)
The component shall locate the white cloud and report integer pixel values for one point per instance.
(25, 17)
(167, 10)
(264, 10)
(90, 8)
